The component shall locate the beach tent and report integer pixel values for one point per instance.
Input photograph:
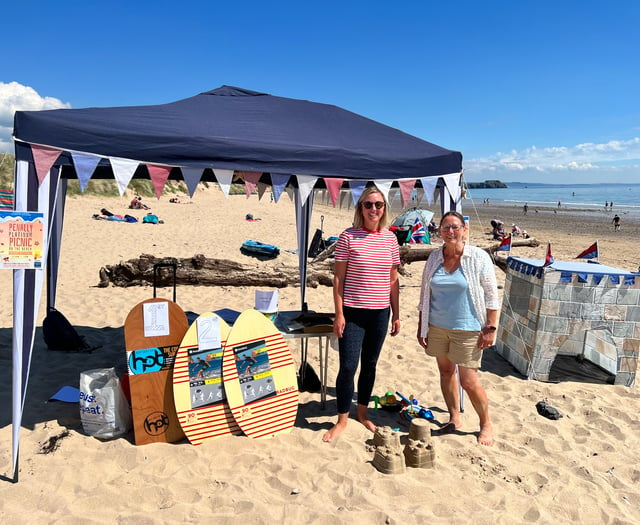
(214, 136)
(570, 321)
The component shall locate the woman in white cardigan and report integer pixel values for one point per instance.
(458, 314)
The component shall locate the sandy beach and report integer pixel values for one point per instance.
(582, 468)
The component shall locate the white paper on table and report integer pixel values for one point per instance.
(267, 301)
(155, 318)
(208, 333)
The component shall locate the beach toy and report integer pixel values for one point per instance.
(412, 409)
(388, 402)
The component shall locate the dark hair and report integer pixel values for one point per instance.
(453, 213)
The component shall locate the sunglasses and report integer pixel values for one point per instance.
(369, 204)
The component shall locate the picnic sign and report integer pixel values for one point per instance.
(21, 240)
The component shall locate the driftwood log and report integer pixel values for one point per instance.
(199, 270)
(420, 252)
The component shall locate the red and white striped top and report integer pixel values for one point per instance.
(370, 256)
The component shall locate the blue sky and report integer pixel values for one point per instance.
(545, 91)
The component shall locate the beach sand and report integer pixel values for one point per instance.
(583, 468)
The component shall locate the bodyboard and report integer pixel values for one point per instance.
(151, 352)
(198, 391)
(259, 377)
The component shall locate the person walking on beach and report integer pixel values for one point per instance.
(366, 293)
(525, 208)
(616, 223)
(458, 314)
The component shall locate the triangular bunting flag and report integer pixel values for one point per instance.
(384, 186)
(192, 177)
(251, 179)
(123, 170)
(279, 183)
(85, 165)
(305, 186)
(333, 186)
(159, 176)
(43, 158)
(357, 187)
(452, 182)
(224, 178)
(262, 187)
(406, 188)
(428, 187)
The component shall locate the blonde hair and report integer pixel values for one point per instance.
(358, 217)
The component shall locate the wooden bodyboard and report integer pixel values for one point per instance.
(259, 377)
(198, 390)
(150, 359)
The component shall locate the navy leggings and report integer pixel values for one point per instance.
(362, 340)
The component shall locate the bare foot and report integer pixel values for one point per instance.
(364, 419)
(368, 424)
(335, 430)
(485, 436)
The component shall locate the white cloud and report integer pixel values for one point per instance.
(617, 158)
(16, 97)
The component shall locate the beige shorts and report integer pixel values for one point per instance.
(459, 346)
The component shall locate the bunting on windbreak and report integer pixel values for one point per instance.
(123, 170)
(548, 259)
(43, 158)
(85, 165)
(590, 253)
(505, 244)
(159, 176)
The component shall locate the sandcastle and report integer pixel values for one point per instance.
(419, 451)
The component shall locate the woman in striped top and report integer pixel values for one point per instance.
(366, 294)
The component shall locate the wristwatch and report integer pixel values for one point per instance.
(489, 328)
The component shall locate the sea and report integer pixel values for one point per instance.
(620, 198)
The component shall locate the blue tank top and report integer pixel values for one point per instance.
(451, 305)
